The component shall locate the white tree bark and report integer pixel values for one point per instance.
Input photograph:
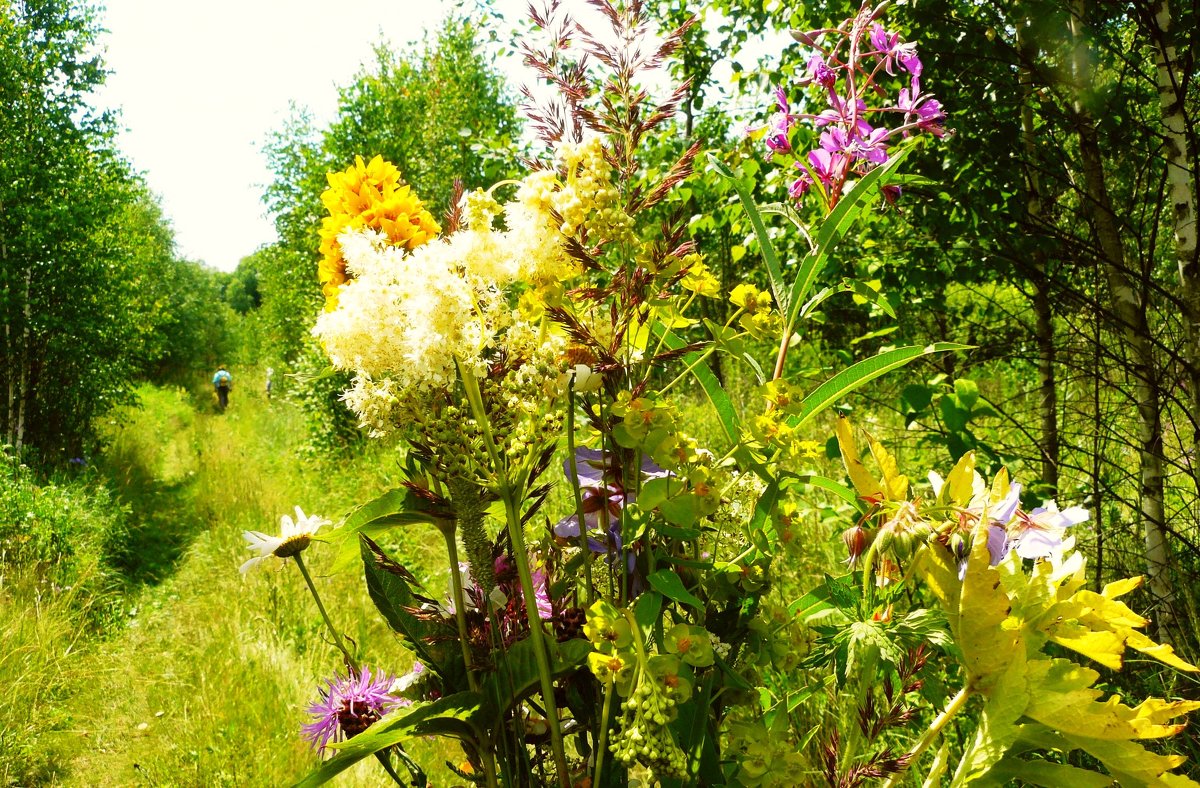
(1181, 191)
(1130, 309)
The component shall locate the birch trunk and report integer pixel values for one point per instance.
(1181, 190)
(1130, 308)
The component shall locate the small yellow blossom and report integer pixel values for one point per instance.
(700, 280)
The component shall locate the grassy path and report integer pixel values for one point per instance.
(207, 684)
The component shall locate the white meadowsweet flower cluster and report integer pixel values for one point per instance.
(408, 320)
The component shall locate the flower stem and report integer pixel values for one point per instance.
(460, 604)
(955, 705)
(387, 767)
(337, 638)
(516, 533)
(584, 550)
(609, 691)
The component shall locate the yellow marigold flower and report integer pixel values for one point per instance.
(368, 196)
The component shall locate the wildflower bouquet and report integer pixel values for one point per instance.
(627, 626)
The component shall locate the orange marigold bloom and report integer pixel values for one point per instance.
(368, 196)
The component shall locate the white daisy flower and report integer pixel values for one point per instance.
(293, 538)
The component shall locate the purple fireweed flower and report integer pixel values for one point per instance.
(780, 124)
(928, 110)
(827, 165)
(889, 46)
(348, 706)
(836, 140)
(820, 72)
(871, 146)
(778, 143)
(801, 185)
(841, 112)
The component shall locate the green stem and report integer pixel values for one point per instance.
(337, 638)
(516, 533)
(955, 705)
(609, 691)
(387, 767)
(585, 551)
(460, 603)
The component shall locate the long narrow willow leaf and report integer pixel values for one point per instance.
(769, 255)
(855, 375)
(720, 400)
(834, 226)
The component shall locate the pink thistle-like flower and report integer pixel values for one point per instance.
(349, 705)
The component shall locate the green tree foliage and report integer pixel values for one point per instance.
(64, 335)
(442, 114)
(92, 295)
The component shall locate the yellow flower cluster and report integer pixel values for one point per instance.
(368, 197)
(588, 196)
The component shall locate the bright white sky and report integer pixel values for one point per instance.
(201, 85)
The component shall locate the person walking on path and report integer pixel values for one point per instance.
(270, 373)
(222, 382)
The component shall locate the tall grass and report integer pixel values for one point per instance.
(208, 684)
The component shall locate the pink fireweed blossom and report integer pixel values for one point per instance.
(889, 46)
(348, 706)
(840, 112)
(925, 112)
(820, 72)
(780, 124)
(871, 146)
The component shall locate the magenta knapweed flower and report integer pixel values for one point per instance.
(349, 705)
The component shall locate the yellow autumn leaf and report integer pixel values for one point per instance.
(989, 641)
(866, 484)
(895, 485)
(960, 484)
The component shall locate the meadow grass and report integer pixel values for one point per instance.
(207, 684)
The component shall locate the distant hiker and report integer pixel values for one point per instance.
(222, 382)
(270, 372)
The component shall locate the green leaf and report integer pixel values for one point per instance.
(646, 609)
(967, 391)
(667, 583)
(393, 597)
(451, 714)
(395, 507)
(681, 511)
(516, 675)
(835, 225)
(722, 404)
(854, 376)
(826, 484)
(812, 605)
(766, 247)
